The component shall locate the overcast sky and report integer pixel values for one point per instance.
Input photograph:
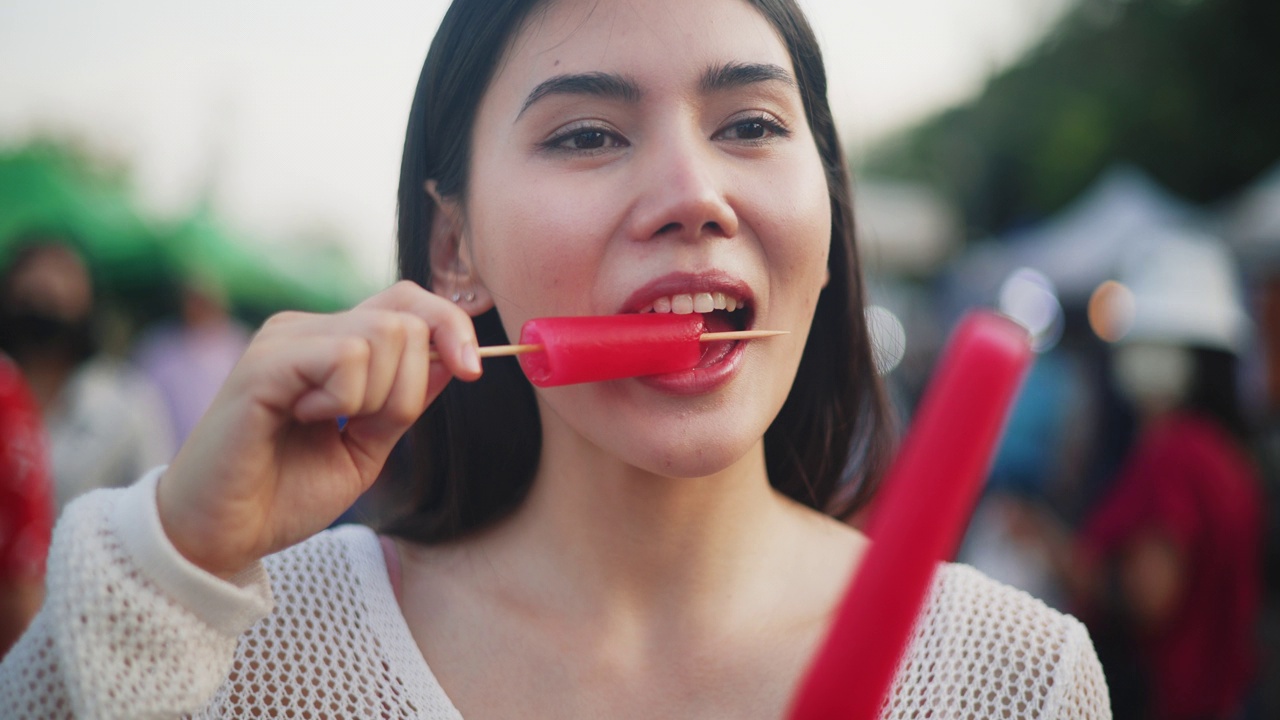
(292, 111)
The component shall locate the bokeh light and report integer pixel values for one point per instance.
(1029, 297)
(1111, 311)
(888, 338)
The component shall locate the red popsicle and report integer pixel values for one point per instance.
(595, 348)
(918, 518)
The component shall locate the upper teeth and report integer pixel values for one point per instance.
(686, 303)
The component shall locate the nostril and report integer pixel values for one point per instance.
(669, 227)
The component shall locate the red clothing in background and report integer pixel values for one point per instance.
(26, 489)
(1188, 479)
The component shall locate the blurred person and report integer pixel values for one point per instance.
(188, 360)
(26, 505)
(1023, 477)
(1171, 554)
(105, 422)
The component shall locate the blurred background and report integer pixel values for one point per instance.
(1107, 171)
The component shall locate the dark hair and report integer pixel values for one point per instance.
(23, 330)
(1214, 392)
(475, 450)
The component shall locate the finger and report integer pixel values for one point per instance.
(386, 333)
(406, 398)
(452, 331)
(316, 378)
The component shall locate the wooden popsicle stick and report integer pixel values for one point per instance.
(507, 350)
(741, 335)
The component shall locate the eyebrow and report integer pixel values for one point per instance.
(735, 75)
(599, 84)
(617, 87)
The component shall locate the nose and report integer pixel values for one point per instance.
(681, 193)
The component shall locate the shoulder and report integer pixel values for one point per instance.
(999, 652)
(345, 552)
(336, 638)
(335, 580)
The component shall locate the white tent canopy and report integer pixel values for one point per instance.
(1253, 222)
(1123, 214)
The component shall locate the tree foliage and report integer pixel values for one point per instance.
(1187, 89)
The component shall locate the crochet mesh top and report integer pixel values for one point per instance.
(131, 630)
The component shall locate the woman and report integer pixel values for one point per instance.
(645, 547)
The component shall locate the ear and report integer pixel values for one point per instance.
(453, 274)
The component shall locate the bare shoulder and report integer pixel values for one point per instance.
(999, 652)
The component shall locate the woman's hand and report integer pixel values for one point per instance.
(267, 467)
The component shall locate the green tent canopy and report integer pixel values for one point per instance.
(262, 278)
(46, 189)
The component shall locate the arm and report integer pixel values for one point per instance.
(150, 587)
(1152, 579)
(1080, 692)
(129, 628)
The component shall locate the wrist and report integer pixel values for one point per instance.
(186, 532)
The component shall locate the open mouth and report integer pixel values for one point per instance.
(721, 312)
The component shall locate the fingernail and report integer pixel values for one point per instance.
(471, 357)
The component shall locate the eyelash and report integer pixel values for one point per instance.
(559, 142)
(772, 126)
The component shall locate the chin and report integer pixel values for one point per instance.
(692, 455)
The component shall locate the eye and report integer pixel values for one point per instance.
(587, 140)
(584, 139)
(753, 129)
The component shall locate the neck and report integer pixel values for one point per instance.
(604, 538)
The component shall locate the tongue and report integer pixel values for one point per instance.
(714, 352)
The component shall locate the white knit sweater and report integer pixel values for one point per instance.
(130, 629)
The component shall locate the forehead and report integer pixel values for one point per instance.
(655, 42)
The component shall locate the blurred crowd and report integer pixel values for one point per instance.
(76, 417)
(1135, 487)
(1138, 483)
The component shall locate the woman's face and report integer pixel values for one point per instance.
(634, 156)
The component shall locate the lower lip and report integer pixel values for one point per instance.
(699, 380)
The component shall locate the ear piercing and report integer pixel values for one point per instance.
(468, 296)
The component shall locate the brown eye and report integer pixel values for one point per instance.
(587, 140)
(750, 130)
(753, 130)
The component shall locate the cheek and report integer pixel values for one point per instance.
(530, 240)
(801, 228)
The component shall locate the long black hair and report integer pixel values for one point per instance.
(475, 450)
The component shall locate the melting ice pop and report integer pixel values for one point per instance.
(918, 518)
